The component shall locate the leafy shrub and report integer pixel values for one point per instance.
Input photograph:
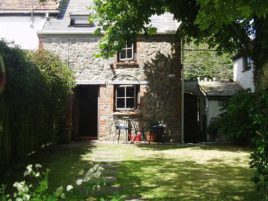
(33, 105)
(57, 81)
(259, 158)
(213, 128)
(35, 186)
(246, 120)
(236, 123)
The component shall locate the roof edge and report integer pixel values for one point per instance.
(35, 11)
(88, 32)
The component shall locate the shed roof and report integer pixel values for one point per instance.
(10, 6)
(216, 88)
(165, 23)
(191, 87)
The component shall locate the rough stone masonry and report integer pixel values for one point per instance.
(156, 58)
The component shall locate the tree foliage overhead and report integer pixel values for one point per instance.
(227, 25)
(200, 61)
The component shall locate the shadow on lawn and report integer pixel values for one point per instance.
(225, 147)
(161, 179)
(63, 161)
(218, 147)
(162, 147)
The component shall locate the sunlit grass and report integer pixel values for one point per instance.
(158, 172)
(161, 172)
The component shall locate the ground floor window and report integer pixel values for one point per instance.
(126, 97)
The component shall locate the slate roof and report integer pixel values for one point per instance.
(61, 25)
(191, 87)
(164, 24)
(216, 88)
(10, 6)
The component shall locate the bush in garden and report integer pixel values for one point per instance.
(245, 121)
(37, 189)
(58, 81)
(34, 104)
(259, 157)
(213, 128)
(236, 122)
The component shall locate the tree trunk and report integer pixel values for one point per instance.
(260, 53)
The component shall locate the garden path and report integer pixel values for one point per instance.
(108, 161)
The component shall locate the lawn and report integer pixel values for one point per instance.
(155, 172)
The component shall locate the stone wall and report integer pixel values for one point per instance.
(157, 62)
(105, 114)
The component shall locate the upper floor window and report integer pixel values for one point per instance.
(80, 20)
(126, 97)
(126, 53)
(248, 63)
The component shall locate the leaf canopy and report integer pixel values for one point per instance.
(225, 24)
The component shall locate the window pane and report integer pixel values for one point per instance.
(130, 102)
(130, 92)
(120, 103)
(123, 54)
(129, 53)
(129, 45)
(121, 92)
(249, 62)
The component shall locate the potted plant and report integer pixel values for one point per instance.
(155, 133)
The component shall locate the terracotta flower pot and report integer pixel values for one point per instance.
(150, 136)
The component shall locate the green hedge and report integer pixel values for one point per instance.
(34, 104)
(236, 123)
(245, 121)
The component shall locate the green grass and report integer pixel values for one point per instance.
(158, 172)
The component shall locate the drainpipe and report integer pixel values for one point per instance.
(2, 74)
(182, 90)
(206, 107)
(207, 115)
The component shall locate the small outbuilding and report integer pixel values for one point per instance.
(204, 100)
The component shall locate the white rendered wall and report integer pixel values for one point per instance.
(21, 30)
(213, 110)
(244, 78)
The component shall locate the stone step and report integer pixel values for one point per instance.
(106, 157)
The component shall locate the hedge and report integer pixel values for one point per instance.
(34, 104)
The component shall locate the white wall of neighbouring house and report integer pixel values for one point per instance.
(214, 109)
(244, 78)
(22, 30)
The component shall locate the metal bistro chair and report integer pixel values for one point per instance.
(137, 129)
(120, 126)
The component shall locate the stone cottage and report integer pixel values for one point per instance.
(141, 83)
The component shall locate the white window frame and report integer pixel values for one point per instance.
(125, 49)
(126, 97)
(248, 63)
